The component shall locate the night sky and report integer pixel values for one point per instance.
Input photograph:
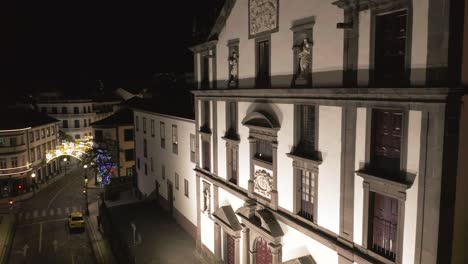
(69, 46)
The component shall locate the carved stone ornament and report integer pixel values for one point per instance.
(263, 16)
(263, 183)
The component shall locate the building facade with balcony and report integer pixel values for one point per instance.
(75, 115)
(327, 132)
(116, 134)
(25, 136)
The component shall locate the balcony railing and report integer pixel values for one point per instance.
(17, 171)
(384, 237)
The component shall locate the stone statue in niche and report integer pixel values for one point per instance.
(206, 199)
(233, 68)
(304, 59)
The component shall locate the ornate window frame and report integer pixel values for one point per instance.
(263, 126)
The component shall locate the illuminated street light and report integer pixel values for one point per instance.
(85, 166)
(33, 176)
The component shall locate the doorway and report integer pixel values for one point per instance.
(170, 197)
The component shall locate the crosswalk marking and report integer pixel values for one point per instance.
(29, 215)
(59, 211)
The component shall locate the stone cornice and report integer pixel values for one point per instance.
(203, 46)
(368, 4)
(431, 95)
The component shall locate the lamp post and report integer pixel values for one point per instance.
(65, 160)
(85, 190)
(33, 176)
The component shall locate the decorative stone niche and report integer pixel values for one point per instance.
(302, 50)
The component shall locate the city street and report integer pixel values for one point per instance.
(42, 235)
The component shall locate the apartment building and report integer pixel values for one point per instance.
(327, 132)
(25, 136)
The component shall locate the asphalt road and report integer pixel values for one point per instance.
(42, 235)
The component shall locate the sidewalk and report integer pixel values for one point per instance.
(7, 223)
(29, 195)
(100, 245)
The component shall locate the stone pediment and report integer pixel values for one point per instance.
(302, 260)
(261, 218)
(259, 119)
(228, 217)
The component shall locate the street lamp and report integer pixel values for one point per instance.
(65, 160)
(33, 176)
(85, 190)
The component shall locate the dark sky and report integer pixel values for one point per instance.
(73, 43)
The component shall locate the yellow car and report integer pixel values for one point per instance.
(76, 221)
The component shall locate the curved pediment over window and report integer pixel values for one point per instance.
(260, 119)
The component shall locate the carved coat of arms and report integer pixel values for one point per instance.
(263, 16)
(263, 183)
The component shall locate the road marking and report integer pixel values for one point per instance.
(59, 211)
(51, 212)
(67, 210)
(44, 213)
(55, 196)
(40, 237)
(42, 222)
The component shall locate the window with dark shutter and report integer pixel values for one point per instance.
(307, 130)
(206, 72)
(206, 154)
(390, 47)
(383, 225)
(206, 115)
(232, 119)
(263, 60)
(307, 194)
(233, 165)
(387, 143)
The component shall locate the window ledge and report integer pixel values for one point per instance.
(297, 156)
(393, 188)
(204, 132)
(231, 139)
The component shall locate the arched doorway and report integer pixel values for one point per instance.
(263, 252)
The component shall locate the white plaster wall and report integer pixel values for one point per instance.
(173, 163)
(244, 152)
(364, 47)
(226, 198)
(296, 244)
(419, 40)
(411, 206)
(328, 208)
(221, 115)
(207, 232)
(328, 40)
(360, 158)
(284, 166)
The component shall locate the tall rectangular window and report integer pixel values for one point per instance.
(14, 162)
(386, 143)
(232, 164)
(128, 134)
(31, 137)
(138, 163)
(33, 155)
(84, 109)
(162, 130)
(192, 147)
(3, 164)
(263, 64)
(146, 169)
(38, 135)
(206, 158)
(306, 130)
(145, 148)
(64, 110)
(77, 123)
(307, 194)
(54, 110)
(175, 140)
(205, 81)
(152, 128)
(144, 124)
(137, 123)
(76, 110)
(383, 224)
(163, 172)
(152, 165)
(264, 150)
(129, 154)
(53, 130)
(43, 133)
(176, 180)
(186, 188)
(390, 47)
(206, 116)
(231, 122)
(65, 123)
(48, 131)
